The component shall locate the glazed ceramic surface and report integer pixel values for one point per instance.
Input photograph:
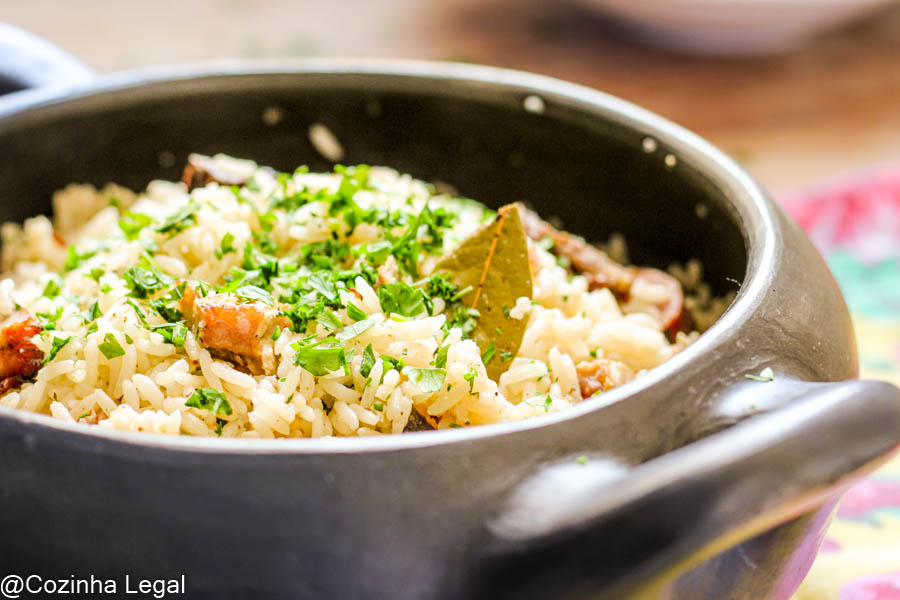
(691, 481)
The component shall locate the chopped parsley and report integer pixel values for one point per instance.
(226, 247)
(470, 377)
(464, 317)
(57, 345)
(180, 220)
(440, 359)
(489, 353)
(211, 400)
(368, 361)
(50, 319)
(173, 333)
(461, 293)
(75, 258)
(351, 331)
(439, 286)
(110, 347)
(93, 312)
(544, 403)
(319, 359)
(356, 313)
(329, 320)
(427, 380)
(253, 293)
(392, 363)
(145, 279)
(51, 290)
(402, 299)
(131, 224)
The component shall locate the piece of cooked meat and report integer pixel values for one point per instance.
(597, 267)
(603, 272)
(19, 358)
(419, 421)
(234, 329)
(600, 375)
(671, 310)
(202, 170)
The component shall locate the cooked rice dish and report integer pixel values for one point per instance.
(243, 302)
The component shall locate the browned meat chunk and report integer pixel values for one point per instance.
(202, 170)
(420, 421)
(19, 358)
(600, 375)
(603, 272)
(671, 312)
(597, 267)
(233, 329)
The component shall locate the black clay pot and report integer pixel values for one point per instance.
(695, 483)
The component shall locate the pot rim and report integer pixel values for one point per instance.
(755, 212)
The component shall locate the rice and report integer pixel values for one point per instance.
(115, 359)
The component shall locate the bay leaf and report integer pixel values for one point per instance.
(494, 262)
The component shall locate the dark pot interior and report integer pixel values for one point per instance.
(591, 172)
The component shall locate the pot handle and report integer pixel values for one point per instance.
(633, 536)
(28, 61)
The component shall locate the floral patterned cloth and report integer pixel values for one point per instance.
(856, 225)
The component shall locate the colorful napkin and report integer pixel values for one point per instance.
(855, 223)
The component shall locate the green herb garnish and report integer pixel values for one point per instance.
(74, 258)
(351, 331)
(402, 299)
(368, 361)
(211, 400)
(470, 377)
(427, 380)
(131, 224)
(180, 220)
(173, 333)
(440, 358)
(145, 279)
(318, 359)
(253, 292)
(226, 246)
(51, 290)
(356, 313)
(110, 347)
(489, 353)
(58, 344)
(329, 320)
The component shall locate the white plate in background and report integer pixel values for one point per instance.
(732, 27)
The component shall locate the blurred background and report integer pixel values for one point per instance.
(804, 93)
(819, 97)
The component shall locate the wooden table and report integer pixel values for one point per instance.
(831, 107)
